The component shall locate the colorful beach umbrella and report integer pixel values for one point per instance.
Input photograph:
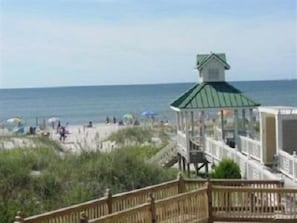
(15, 120)
(128, 116)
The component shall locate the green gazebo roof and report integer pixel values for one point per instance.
(213, 95)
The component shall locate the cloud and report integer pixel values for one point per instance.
(156, 50)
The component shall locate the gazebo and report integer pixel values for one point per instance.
(211, 96)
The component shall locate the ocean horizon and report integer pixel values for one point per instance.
(81, 104)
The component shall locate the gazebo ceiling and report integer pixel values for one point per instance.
(216, 95)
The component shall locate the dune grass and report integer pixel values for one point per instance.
(40, 179)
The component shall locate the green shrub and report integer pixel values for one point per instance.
(227, 169)
(60, 181)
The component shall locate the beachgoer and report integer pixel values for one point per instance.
(90, 125)
(107, 120)
(58, 126)
(62, 133)
(114, 120)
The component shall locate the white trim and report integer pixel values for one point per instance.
(209, 58)
(209, 109)
(282, 110)
(175, 108)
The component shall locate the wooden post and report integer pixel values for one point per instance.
(108, 196)
(180, 183)
(83, 217)
(184, 163)
(179, 162)
(152, 207)
(209, 197)
(188, 169)
(19, 218)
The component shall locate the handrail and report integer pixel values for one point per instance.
(213, 203)
(251, 147)
(123, 201)
(164, 153)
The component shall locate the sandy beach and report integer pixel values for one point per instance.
(80, 138)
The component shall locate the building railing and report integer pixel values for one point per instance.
(127, 201)
(287, 164)
(251, 147)
(181, 139)
(218, 150)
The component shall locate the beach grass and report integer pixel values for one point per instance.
(40, 179)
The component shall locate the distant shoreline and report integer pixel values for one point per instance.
(139, 84)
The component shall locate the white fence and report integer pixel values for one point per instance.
(164, 154)
(182, 144)
(251, 147)
(287, 164)
(250, 169)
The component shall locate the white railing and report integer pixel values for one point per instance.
(251, 147)
(196, 140)
(182, 144)
(287, 164)
(250, 169)
(164, 154)
(181, 139)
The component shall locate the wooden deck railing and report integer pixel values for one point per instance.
(213, 203)
(253, 204)
(125, 201)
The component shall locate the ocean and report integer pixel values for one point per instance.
(79, 105)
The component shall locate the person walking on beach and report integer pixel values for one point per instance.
(62, 133)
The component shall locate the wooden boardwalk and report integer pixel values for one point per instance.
(184, 200)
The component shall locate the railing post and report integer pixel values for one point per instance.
(279, 196)
(293, 165)
(108, 196)
(209, 197)
(83, 218)
(180, 183)
(19, 218)
(152, 207)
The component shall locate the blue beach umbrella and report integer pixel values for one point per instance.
(148, 113)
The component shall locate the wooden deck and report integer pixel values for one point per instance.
(184, 200)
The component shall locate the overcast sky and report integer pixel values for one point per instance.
(104, 42)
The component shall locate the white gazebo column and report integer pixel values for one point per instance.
(178, 121)
(243, 121)
(222, 125)
(192, 123)
(278, 132)
(202, 134)
(187, 135)
(182, 123)
(251, 124)
(236, 128)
